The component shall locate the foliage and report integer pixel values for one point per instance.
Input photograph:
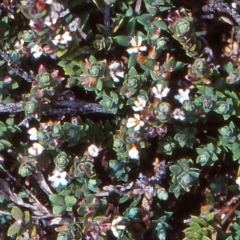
(116, 114)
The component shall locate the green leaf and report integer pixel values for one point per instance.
(133, 72)
(27, 217)
(133, 213)
(70, 201)
(132, 61)
(59, 209)
(10, 122)
(13, 229)
(56, 199)
(17, 213)
(162, 194)
(161, 24)
(122, 40)
(174, 169)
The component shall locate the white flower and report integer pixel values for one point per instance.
(178, 114)
(93, 150)
(37, 51)
(63, 39)
(57, 7)
(183, 95)
(159, 92)
(238, 181)
(117, 230)
(19, 45)
(136, 45)
(133, 153)
(58, 178)
(140, 104)
(33, 134)
(135, 122)
(36, 149)
(73, 26)
(114, 72)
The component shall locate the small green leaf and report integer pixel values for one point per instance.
(13, 229)
(122, 40)
(10, 122)
(70, 201)
(17, 213)
(56, 199)
(58, 209)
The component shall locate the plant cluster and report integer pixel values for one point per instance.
(164, 125)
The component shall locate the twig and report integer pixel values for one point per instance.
(39, 205)
(222, 8)
(19, 71)
(59, 108)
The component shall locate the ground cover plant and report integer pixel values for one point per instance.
(119, 119)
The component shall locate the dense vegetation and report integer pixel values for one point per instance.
(119, 119)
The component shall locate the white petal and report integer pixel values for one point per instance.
(131, 122)
(137, 116)
(93, 150)
(36, 149)
(64, 13)
(33, 133)
(63, 174)
(115, 79)
(133, 153)
(35, 48)
(120, 74)
(114, 65)
(117, 220)
(139, 43)
(115, 232)
(136, 109)
(52, 178)
(165, 91)
(143, 48)
(63, 181)
(238, 181)
(57, 182)
(133, 42)
(137, 128)
(132, 50)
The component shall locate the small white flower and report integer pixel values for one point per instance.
(19, 45)
(63, 39)
(135, 122)
(58, 178)
(183, 95)
(31, 23)
(57, 7)
(238, 181)
(136, 45)
(114, 72)
(36, 149)
(159, 92)
(37, 51)
(133, 153)
(178, 114)
(117, 230)
(93, 150)
(33, 134)
(73, 26)
(140, 104)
